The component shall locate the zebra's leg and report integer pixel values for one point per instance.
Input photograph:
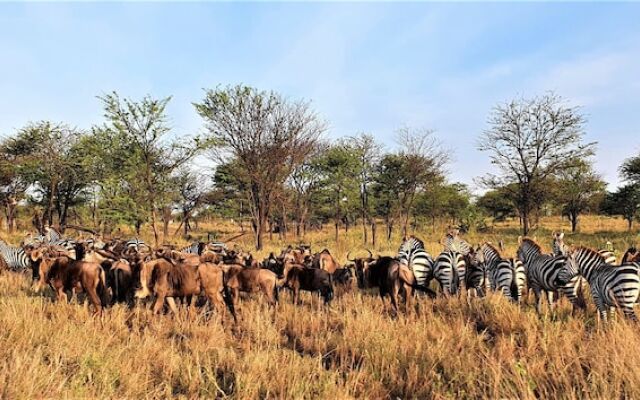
(536, 292)
(551, 301)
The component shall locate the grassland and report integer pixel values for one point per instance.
(443, 348)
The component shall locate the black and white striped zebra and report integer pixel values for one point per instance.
(15, 257)
(504, 275)
(542, 272)
(413, 254)
(136, 244)
(193, 248)
(610, 287)
(453, 242)
(560, 248)
(449, 271)
(475, 275)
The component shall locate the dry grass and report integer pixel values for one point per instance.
(439, 349)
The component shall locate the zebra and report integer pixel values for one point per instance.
(135, 244)
(475, 275)
(610, 287)
(542, 271)
(560, 248)
(15, 257)
(505, 275)
(453, 242)
(193, 248)
(449, 271)
(413, 254)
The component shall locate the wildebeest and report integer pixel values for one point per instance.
(631, 255)
(298, 277)
(250, 280)
(64, 274)
(169, 280)
(324, 260)
(120, 279)
(392, 278)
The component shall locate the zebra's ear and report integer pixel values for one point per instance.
(519, 239)
(561, 235)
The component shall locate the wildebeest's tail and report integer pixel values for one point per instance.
(424, 290)
(102, 287)
(226, 296)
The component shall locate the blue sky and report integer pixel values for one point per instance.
(370, 67)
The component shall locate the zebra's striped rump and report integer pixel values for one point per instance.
(449, 271)
(413, 254)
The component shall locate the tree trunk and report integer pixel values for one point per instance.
(337, 225)
(630, 222)
(525, 222)
(166, 218)
(373, 232)
(573, 217)
(156, 237)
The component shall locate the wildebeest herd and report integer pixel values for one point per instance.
(129, 271)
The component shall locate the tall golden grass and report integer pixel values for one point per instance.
(442, 348)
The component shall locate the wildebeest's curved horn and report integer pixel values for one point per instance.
(349, 259)
(370, 253)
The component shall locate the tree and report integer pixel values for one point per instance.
(529, 141)
(305, 182)
(148, 156)
(578, 189)
(497, 203)
(49, 158)
(625, 202)
(12, 186)
(192, 188)
(339, 170)
(367, 152)
(268, 135)
(630, 169)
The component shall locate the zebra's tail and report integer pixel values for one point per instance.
(455, 279)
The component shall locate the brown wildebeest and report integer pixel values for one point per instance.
(64, 274)
(391, 277)
(324, 260)
(298, 255)
(120, 280)
(631, 255)
(298, 277)
(251, 280)
(168, 281)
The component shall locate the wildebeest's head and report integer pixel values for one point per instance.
(362, 266)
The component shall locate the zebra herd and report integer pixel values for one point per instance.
(564, 272)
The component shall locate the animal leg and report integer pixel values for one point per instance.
(172, 305)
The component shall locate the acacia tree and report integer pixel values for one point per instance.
(339, 168)
(268, 135)
(578, 189)
(140, 131)
(630, 169)
(529, 140)
(49, 158)
(12, 185)
(625, 202)
(367, 152)
(305, 181)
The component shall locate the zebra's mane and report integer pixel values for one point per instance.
(588, 252)
(407, 244)
(532, 243)
(493, 249)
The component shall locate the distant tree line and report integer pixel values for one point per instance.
(274, 171)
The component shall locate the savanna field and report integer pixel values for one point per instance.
(439, 348)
